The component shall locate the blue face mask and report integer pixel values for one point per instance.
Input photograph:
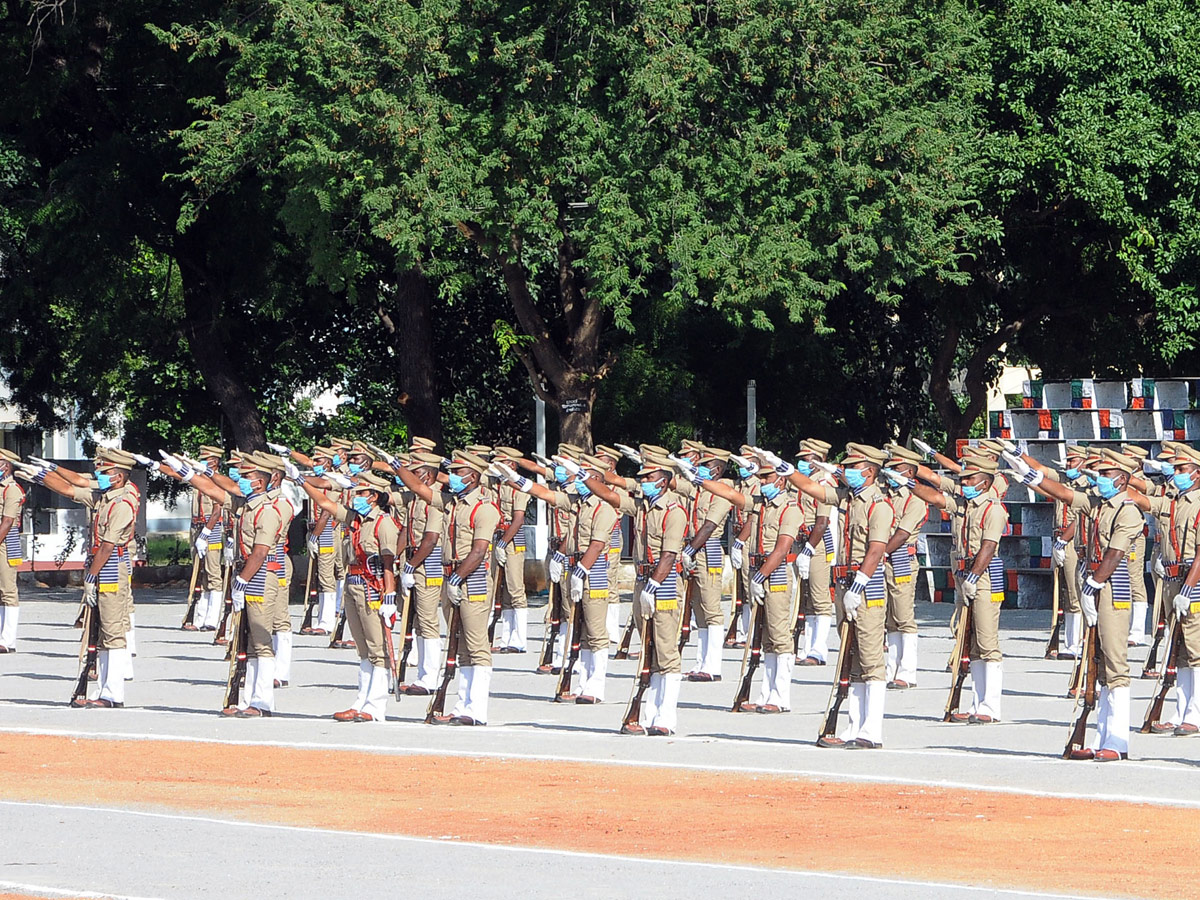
(970, 491)
(355, 469)
(337, 461)
(1105, 487)
(650, 489)
(560, 474)
(458, 484)
(855, 479)
(234, 473)
(582, 488)
(318, 470)
(704, 473)
(744, 473)
(1168, 469)
(245, 486)
(1184, 480)
(770, 491)
(104, 481)
(1071, 473)
(362, 506)
(804, 467)
(1091, 480)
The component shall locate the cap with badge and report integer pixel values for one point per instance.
(483, 450)
(1076, 450)
(715, 453)
(373, 481)
(211, 451)
(863, 453)
(114, 458)
(340, 443)
(655, 462)
(421, 443)
(8, 456)
(423, 458)
(689, 446)
(981, 464)
(596, 463)
(465, 460)
(654, 449)
(507, 453)
(1135, 452)
(611, 452)
(1182, 453)
(898, 455)
(1112, 459)
(815, 447)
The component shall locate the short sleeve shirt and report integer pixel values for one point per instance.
(466, 518)
(1115, 523)
(114, 513)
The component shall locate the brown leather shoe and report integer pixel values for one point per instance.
(1083, 753)
(769, 709)
(415, 690)
(441, 720)
(79, 702)
(280, 684)
(465, 720)
(345, 645)
(1109, 756)
(565, 698)
(747, 706)
(704, 677)
(346, 715)
(1151, 674)
(632, 728)
(810, 661)
(899, 684)
(189, 627)
(831, 742)
(981, 720)
(104, 703)
(863, 744)
(319, 632)
(229, 712)
(544, 670)
(586, 699)
(659, 731)
(960, 718)
(308, 630)
(1162, 728)
(1187, 728)
(364, 717)
(220, 642)
(1065, 654)
(253, 712)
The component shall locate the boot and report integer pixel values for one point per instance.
(364, 684)
(281, 644)
(783, 681)
(701, 650)
(216, 602)
(111, 675)
(131, 638)
(1191, 706)
(326, 611)
(1137, 624)
(200, 613)
(1185, 682)
(465, 674)
(713, 659)
(478, 693)
(820, 642)
(599, 676)
(504, 628)
(377, 694)
(338, 594)
(261, 682)
(1117, 737)
(613, 623)
(651, 700)
(1074, 634)
(429, 661)
(770, 664)
(1103, 714)
(993, 681)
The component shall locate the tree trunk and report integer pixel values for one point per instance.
(202, 326)
(413, 341)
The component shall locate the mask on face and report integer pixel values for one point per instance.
(770, 491)
(582, 488)
(1183, 480)
(234, 474)
(337, 460)
(704, 473)
(804, 467)
(970, 491)
(560, 474)
(104, 481)
(855, 479)
(1071, 473)
(318, 470)
(362, 506)
(650, 489)
(1168, 469)
(897, 481)
(245, 486)
(1105, 487)
(355, 469)
(744, 473)
(1091, 480)
(458, 484)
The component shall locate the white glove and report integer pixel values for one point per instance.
(898, 479)
(779, 465)
(744, 462)
(923, 447)
(143, 461)
(280, 449)
(30, 473)
(1087, 600)
(544, 462)
(572, 467)
(1183, 600)
(454, 590)
(1058, 554)
(686, 468)
(340, 480)
(578, 573)
(735, 554)
(758, 588)
(1010, 446)
(1159, 569)
(852, 600)
(91, 589)
(500, 553)
(408, 578)
(827, 467)
(648, 599)
(292, 470)
(629, 453)
(202, 541)
(687, 561)
(970, 587)
(804, 562)
(177, 465)
(1025, 472)
(227, 552)
(238, 593)
(387, 610)
(557, 566)
(1152, 467)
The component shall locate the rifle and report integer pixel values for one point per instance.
(437, 703)
(961, 661)
(496, 607)
(87, 653)
(739, 602)
(335, 639)
(554, 614)
(408, 617)
(237, 659)
(847, 654)
(219, 637)
(389, 652)
(689, 602)
(1167, 678)
(627, 637)
(1150, 669)
(798, 628)
(1057, 615)
(189, 617)
(634, 711)
(310, 594)
(575, 636)
(751, 656)
(1091, 653)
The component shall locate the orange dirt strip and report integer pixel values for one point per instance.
(886, 830)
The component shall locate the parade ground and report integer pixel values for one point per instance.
(167, 799)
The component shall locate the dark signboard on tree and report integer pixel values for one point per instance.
(574, 406)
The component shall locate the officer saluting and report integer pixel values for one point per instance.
(12, 502)
(902, 567)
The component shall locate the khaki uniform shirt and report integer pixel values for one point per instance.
(867, 519)
(659, 527)
(910, 510)
(594, 519)
(259, 522)
(1115, 523)
(466, 518)
(511, 501)
(377, 533)
(1178, 519)
(981, 518)
(779, 516)
(113, 514)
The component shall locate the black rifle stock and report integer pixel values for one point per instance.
(88, 652)
(751, 656)
(1085, 699)
(1167, 678)
(571, 655)
(496, 610)
(437, 703)
(634, 711)
(189, 617)
(237, 659)
(739, 603)
(554, 616)
(960, 664)
(847, 652)
(1057, 615)
(798, 628)
(1150, 669)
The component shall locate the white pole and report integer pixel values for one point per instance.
(751, 413)
(541, 531)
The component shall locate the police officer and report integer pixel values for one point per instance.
(817, 552)
(208, 537)
(12, 503)
(902, 566)
(509, 552)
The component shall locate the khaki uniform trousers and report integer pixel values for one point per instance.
(901, 601)
(595, 621)
(871, 662)
(1069, 580)
(428, 600)
(780, 612)
(614, 566)
(818, 598)
(1137, 573)
(1113, 635)
(667, 625)
(512, 586)
(114, 608)
(474, 648)
(282, 620)
(985, 644)
(1189, 653)
(365, 624)
(707, 607)
(211, 576)
(8, 584)
(260, 615)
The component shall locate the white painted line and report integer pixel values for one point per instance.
(517, 848)
(813, 774)
(45, 891)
